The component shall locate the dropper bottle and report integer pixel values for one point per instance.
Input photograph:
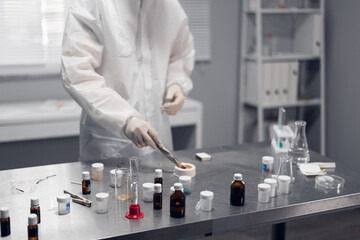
(5, 222)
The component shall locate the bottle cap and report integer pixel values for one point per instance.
(32, 219)
(267, 159)
(86, 175)
(102, 196)
(270, 181)
(34, 201)
(63, 198)
(284, 179)
(185, 179)
(238, 176)
(178, 186)
(148, 186)
(97, 166)
(207, 195)
(157, 187)
(4, 212)
(264, 187)
(158, 173)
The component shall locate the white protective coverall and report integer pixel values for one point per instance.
(119, 57)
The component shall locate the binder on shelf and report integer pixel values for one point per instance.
(267, 84)
(275, 82)
(293, 83)
(283, 69)
(317, 43)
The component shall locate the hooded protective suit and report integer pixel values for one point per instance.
(119, 57)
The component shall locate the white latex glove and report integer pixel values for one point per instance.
(141, 133)
(174, 99)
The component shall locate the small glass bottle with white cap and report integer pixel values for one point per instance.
(157, 196)
(33, 233)
(86, 183)
(35, 208)
(97, 171)
(102, 200)
(158, 176)
(5, 222)
(186, 182)
(177, 202)
(237, 190)
(63, 204)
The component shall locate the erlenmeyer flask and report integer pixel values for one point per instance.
(299, 149)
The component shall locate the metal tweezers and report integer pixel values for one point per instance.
(78, 199)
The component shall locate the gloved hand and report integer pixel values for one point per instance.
(174, 99)
(141, 133)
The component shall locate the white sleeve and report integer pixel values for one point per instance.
(182, 57)
(81, 55)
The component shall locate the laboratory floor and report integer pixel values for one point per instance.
(334, 226)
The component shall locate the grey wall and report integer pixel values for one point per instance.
(342, 80)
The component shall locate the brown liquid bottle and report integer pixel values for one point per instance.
(157, 196)
(237, 191)
(86, 183)
(177, 202)
(33, 227)
(35, 208)
(5, 222)
(158, 176)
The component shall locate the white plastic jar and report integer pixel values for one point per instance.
(63, 204)
(148, 192)
(97, 171)
(273, 183)
(263, 192)
(117, 177)
(284, 184)
(186, 182)
(267, 164)
(206, 199)
(102, 200)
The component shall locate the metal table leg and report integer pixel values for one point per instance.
(278, 231)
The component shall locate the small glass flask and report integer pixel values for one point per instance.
(299, 149)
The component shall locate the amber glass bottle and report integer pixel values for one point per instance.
(157, 196)
(35, 208)
(33, 227)
(86, 183)
(5, 222)
(237, 190)
(177, 202)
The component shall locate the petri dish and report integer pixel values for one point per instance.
(330, 181)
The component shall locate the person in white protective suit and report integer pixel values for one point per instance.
(127, 64)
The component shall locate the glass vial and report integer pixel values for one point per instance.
(299, 149)
(237, 190)
(5, 222)
(177, 202)
(35, 208)
(33, 227)
(157, 196)
(86, 183)
(158, 176)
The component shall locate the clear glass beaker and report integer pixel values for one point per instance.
(122, 182)
(299, 149)
(285, 167)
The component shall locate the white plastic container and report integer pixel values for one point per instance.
(267, 164)
(63, 204)
(284, 184)
(205, 203)
(97, 171)
(148, 192)
(186, 182)
(113, 175)
(273, 183)
(191, 171)
(102, 200)
(263, 192)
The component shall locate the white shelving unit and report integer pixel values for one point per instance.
(297, 47)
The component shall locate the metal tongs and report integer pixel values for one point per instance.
(169, 155)
(78, 199)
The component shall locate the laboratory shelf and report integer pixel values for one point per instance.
(285, 11)
(299, 103)
(284, 57)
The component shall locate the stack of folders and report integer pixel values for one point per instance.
(279, 83)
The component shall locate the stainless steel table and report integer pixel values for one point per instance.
(84, 223)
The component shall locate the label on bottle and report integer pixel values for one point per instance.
(89, 187)
(68, 207)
